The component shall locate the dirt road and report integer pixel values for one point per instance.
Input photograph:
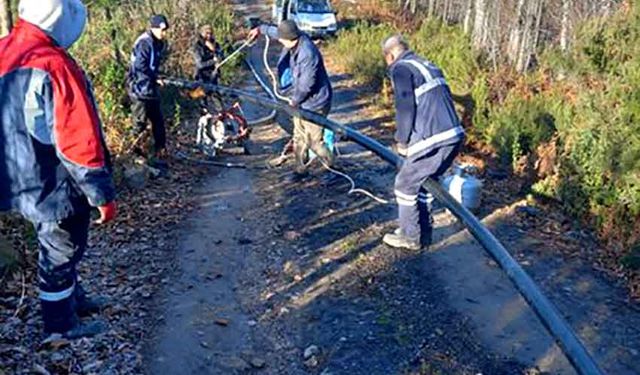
(281, 278)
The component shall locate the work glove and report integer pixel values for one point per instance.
(107, 212)
(254, 34)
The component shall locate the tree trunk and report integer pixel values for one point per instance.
(565, 26)
(6, 18)
(531, 36)
(480, 24)
(445, 11)
(518, 30)
(494, 38)
(414, 6)
(432, 8)
(467, 17)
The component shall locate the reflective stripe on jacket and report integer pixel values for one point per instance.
(425, 113)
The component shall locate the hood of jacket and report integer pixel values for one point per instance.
(62, 20)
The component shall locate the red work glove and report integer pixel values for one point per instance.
(107, 213)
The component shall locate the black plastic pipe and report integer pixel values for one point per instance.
(555, 324)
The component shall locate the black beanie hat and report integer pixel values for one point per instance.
(288, 30)
(158, 21)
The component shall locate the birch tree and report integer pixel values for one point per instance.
(479, 35)
(565, 24)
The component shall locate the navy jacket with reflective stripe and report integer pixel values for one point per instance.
(425, 114)
(145, 67)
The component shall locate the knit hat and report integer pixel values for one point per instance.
(158, 21)
(288, 30)
(62, 20)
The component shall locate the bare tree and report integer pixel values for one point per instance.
(467, 17)
(512, 30)
(432, 8)
(6, 18)
(565, 24)
(479, 35)
(517, 33)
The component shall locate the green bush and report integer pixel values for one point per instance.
(105, 47)
(587, 99)
(358, 50)
(449, 48)
(518, 126)
(600, 161)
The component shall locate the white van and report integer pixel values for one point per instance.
(314, 17)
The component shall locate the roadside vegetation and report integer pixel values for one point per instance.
(569, 124)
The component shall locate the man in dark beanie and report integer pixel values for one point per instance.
(143, 83)
(310, 90)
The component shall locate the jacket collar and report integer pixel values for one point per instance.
(153, 38)
(24, 30)
(405, 55)
(294, 51)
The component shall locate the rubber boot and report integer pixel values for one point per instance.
(60, 316)
(159, 160)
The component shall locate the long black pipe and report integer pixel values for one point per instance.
(544, 309)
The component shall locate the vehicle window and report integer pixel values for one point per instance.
(314, 6)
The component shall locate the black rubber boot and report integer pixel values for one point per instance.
(61, 317)
(91, 305)
(58, 308)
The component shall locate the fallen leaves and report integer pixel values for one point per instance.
(128, 261)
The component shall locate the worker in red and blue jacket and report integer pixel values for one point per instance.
(54, 165)
(428, 135)
(143, 83)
